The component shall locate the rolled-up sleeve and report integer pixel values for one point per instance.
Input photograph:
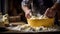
(58, 1)
(25, 2)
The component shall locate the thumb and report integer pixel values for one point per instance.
(47, 11)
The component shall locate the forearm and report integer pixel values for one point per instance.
(25, 9)
(25, 6)
(56, 6)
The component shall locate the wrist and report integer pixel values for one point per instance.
(27, 11)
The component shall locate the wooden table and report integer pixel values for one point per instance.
(10, 31)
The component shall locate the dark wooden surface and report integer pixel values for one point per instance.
(29, 32)
(3, 30)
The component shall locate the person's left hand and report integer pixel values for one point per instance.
(50, 13)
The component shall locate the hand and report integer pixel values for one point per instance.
(50, 13)
(27, 14)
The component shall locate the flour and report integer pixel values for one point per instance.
(39, 17)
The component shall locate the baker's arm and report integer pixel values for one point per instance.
(56, 6)
(50, 12)
(25, 6)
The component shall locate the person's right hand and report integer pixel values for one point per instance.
(27, 14)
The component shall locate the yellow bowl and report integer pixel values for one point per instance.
(41, 22)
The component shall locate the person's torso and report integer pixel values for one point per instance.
(39, 6)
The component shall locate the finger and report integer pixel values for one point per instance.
(27, 16)
(47, 11)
